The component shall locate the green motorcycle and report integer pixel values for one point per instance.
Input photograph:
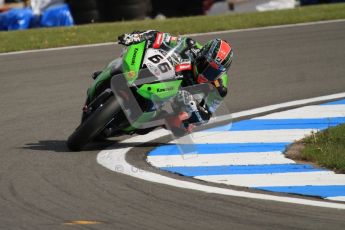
(139, 80)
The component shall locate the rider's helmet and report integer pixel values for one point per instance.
(213, 60)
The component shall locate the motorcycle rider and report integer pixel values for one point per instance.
(207, 64)
(199, 64)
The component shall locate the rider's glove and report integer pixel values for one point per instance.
(129, 39)
(199, 116)
(197, 113)
(191, 115)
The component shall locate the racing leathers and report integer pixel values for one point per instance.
(198, 111)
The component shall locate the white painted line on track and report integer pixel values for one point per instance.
(190, 35)
(58, 48)
(271, 108)
(221, 159)
(278, 179)
(114, 159)
(313, 111)
(268, 27)
(337, 198)
(257, 136)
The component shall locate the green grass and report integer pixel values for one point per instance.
(326, 148)
(108, 32)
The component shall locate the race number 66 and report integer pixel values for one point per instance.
(156, 59)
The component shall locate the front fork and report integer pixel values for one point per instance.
(89, 107)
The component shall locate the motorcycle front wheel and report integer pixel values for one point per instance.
(93, 125)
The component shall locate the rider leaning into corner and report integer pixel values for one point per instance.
(205, 64)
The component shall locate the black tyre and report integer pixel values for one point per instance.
(84, 5)
(177, 8)
(93, 125)
(86, 11)
(126, 10)
(133, 11)
(86, 17)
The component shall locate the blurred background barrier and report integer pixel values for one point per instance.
(20, 15)
(23, 14)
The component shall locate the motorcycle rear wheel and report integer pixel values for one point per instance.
(93, 125)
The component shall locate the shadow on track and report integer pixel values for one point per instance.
(60, 145)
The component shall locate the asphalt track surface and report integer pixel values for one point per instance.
(43, 186)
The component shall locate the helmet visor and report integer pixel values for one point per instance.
(209, 70)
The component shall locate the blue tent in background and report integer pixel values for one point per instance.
(16, 19)
(59, 15)
(20, 19)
